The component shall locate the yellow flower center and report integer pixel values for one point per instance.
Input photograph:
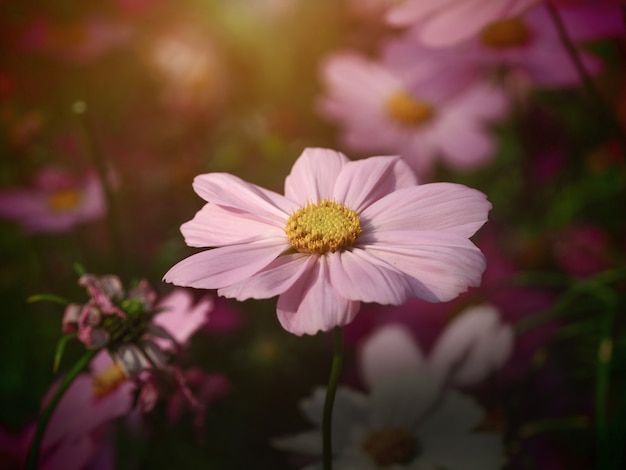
(108, 381)
(506, 33)
(391, 446)
(407, 110)
(323, 227)
(64, 200)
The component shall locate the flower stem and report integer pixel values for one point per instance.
(102, 167)
(333, 381)
(601, 106)
(44, 418)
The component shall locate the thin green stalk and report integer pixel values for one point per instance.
(603, 374)
(333, 381)
(100, 163)
(46, 414)
(602, 108)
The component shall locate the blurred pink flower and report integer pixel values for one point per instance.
(76, 435)
(79, 42)
(583, 250)
(446, 22)
(345, 232)
(473, 345)
(527, 44)
(422, 113)
(56, 202)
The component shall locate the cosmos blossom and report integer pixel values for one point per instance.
(446, 22)
(56, 202)
(345, 232)
(432, 112)
(527, 44)
(405, 422)
(472, 346)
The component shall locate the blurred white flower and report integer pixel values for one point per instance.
(474, 345)
(407, 422)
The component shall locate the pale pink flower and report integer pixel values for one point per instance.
(527, 44)
(345, 232)
(423, 114)
(472, 346)
(56, 202)
(76, 435)
(446, 22)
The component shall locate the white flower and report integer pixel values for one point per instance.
(407, 422)
(473, 345)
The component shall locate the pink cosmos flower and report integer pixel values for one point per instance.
(421, 113)
(345, 232)
(527, 44)
(446, 22)
(76, 435)
(472, 346)
(57, 202)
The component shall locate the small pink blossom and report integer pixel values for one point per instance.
(345, 232)
(56, 202)
(446, 22)
(423, 113)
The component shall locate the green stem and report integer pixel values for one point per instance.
(102, 167)
(44, 418)
(602, 108)
(603, 375)
(333, 381)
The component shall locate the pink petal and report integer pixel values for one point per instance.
(180, 318)
(436, 206)
(221, 267)
(551, 65)
(445, 264)
(411, 11)
(232, 192)
(312, 304)
(215, 225)
(359, 276)
(79, 412)
(272, 280)
(471, 146)
(363, 182)
(389, 351)
(313, 175)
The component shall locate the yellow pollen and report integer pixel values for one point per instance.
(324, 227)
(64, 200)
(391, 446)
(407, 110)
(506, 33)
(108, 381)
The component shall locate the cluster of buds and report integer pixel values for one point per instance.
(120, 321)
